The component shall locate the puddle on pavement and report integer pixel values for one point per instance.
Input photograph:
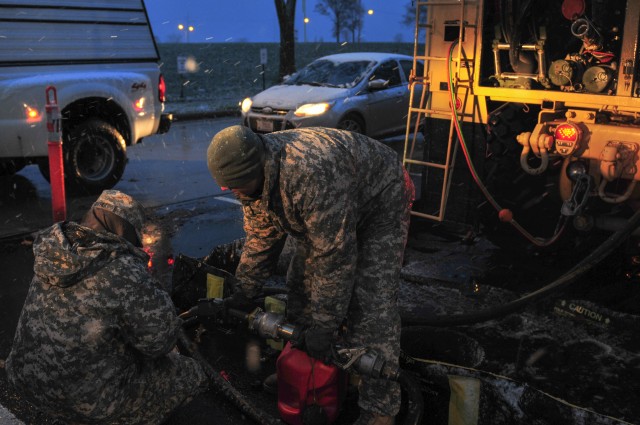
(192, 229)
(201, 234)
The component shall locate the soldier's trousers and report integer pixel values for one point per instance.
(160, 387)
(373, 318)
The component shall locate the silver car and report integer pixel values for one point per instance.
(363, 92)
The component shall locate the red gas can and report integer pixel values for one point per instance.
(307, 383)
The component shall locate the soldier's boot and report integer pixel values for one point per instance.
(369, 418)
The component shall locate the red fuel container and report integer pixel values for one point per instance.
(304, 381)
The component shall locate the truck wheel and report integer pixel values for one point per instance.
(95, 156)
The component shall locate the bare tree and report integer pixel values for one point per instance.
(338, 10)
(286, 10)
(409, 17)
(354, 20)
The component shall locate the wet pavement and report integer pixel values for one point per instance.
(163, 170)
(571, 358)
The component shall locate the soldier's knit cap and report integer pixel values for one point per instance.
(235, 156)
(124, 206)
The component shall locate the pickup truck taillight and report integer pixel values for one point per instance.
(162, 89)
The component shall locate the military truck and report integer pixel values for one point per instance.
(542, 98)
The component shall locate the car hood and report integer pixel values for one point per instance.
(290, 97)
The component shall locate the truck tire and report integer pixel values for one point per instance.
(95, 156)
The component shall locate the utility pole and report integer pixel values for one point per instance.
(305, 18)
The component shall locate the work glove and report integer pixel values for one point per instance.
(239, 301)
(318, 342)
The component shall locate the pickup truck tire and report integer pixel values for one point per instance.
(95, 156)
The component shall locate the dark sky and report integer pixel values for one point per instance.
(255, 20)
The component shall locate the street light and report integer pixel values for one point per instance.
(187, 29)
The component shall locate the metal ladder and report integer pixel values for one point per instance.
(432, 104)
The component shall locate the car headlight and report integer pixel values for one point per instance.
(312, 109)
(245, 106)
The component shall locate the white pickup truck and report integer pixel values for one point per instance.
(102, 59)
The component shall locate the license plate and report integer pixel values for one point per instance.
(264, 125)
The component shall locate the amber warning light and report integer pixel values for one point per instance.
(567, 138)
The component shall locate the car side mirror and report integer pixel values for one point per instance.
(378, 84)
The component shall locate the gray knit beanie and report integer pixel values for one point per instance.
(235, 156)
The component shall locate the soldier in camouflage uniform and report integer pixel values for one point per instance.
(345, 199)
(95, 338)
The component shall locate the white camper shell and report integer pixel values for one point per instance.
(102, 59)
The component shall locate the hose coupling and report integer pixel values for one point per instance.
(270, 325)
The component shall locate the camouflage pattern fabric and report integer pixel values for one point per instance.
(342, 196)
(95, 334)
(123, 206)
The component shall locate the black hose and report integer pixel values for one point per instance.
(224, 387)
(274, 290)
(516, 37)
(415, 404)
(502, 310)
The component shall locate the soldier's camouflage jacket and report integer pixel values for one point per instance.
(321, 185)
(92, 317)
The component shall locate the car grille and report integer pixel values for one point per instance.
(269, 111)
(266, 114)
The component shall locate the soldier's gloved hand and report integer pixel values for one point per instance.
(318, 342)
(239, 301)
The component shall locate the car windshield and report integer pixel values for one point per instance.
(327, 73)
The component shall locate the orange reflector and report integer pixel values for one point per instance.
(139, 104)
(458, 104)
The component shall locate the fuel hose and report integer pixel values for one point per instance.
(474, 174)
(372, 367)
(567, 278)
(224, 387)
